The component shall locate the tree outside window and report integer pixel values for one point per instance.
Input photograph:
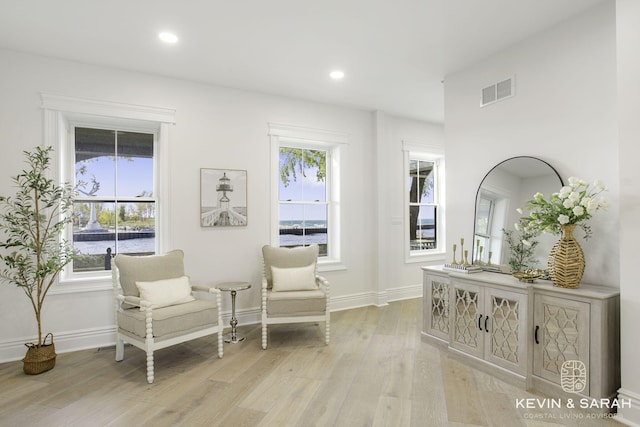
(303, 198)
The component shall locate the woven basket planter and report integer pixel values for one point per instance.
(40, 359)
(566, 260)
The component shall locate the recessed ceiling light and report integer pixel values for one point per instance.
(168, 37)
(336, 75)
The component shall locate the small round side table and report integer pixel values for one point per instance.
(233, 288)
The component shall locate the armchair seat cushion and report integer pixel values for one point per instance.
(171, 321)
(296, 303)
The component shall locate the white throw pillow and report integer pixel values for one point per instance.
(163, 293)
(294, 278)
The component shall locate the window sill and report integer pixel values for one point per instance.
(85, 284)
(433, 257)
(330, 265)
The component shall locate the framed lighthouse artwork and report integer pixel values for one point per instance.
(223, 197)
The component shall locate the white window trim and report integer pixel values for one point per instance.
(332, 141)
(60, 113)
(436, 155)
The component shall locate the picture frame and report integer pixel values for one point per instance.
(223, 197)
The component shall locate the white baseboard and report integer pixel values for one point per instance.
(379, 299)
(65, 342)
(404, 292)
(629, 416)
(81, 339)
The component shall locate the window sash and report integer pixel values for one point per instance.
(413, 241)
(91, 259)
(302, 236)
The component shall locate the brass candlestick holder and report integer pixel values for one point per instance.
(462, 266)
(478, 260)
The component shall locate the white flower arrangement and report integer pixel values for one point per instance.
(573, 204)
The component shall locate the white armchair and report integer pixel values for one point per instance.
(156, 307)
(292, 292)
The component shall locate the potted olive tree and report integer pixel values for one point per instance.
(32, 250)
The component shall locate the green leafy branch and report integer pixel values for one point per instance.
(32, 222)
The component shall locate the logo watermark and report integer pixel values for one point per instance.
(573, 379)
(573, 376)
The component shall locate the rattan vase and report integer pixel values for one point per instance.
(566, 260)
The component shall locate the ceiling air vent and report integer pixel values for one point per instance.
(497, 92)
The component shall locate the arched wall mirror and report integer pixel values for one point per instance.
(506, 187)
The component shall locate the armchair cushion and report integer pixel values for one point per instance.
(294, 278)
(163, 293)
(147, 269)
(171, 321)
(296, 303)
(287, 258)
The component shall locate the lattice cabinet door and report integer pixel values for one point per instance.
(466, 328)
(561, 334)
(436, 310)
(504, 322)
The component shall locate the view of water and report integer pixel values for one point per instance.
(148, 244)
(298, 223)
(124, 246)
(293, 240)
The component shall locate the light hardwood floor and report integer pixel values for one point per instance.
(375, 372)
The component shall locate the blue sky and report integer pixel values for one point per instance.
(135, 175)
(305, 188)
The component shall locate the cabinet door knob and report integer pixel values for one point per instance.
(535, 335)
(479, 320)
(485, 323)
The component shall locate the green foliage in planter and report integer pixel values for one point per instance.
(32, 222)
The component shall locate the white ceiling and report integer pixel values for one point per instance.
(395, 53)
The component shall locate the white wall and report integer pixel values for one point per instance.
(216, 128)
(628, 44)
(405, 278)
(563, 111)
(576, 107)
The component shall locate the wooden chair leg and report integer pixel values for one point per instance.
(119, 348)
(327, 332)
(150, 367)
(264, 336)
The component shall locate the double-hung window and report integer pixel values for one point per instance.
(305, 189)
(491, 218)
(424, 203)
(117, 157)
(484, 222)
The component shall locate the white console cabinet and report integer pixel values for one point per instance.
(525, 331)
(489, 323)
